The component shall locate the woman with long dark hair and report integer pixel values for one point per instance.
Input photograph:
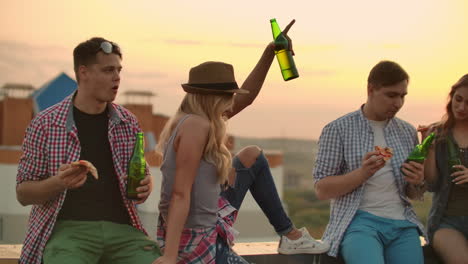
(446, 173)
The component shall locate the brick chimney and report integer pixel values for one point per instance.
(139, 103)
(159, 121)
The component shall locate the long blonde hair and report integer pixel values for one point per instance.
(211, 107)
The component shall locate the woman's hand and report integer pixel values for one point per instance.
(285, 34)
(461, 175)
(425, 130)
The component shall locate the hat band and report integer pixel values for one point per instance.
(217, 86)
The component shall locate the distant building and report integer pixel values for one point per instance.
(16, 111)
(53, 92)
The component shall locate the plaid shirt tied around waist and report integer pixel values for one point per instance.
(198, 245)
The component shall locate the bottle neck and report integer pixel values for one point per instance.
(426, 144)
(420, 151)
(452, 149)
(139, 145)
(275, 29)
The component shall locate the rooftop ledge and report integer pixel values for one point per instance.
(258, 253)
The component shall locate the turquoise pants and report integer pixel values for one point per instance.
(378, 240)
(98, 242)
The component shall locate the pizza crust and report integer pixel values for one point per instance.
(385, 152)
(88, 165)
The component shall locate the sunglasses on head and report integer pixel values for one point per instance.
(107, 47)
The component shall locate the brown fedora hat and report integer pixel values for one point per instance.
(212, 77)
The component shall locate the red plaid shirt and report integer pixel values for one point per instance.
(198, 245)
(51, 140)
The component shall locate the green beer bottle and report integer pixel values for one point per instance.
(284, 56)
(453, 158)
(420, 151)
(136, 167)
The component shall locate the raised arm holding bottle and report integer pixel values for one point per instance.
(254, 82)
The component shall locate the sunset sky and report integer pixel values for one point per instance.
(336, 44)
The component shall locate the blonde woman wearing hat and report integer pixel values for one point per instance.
(198, 204)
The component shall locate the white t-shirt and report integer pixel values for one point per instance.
(381, 196)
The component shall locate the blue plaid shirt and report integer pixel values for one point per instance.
(342, 145)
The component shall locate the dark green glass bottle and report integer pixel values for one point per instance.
(284, 56)
(136, 167)
(453, 158)
(420, 151)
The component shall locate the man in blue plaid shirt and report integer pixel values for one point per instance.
(372, 220)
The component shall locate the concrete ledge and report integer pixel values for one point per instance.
(265, 253)
(9, 254)
(258, 253)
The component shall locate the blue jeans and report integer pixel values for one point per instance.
(377, 240)
(259, 181)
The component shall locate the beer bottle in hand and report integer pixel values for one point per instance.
(136, 167)
(283, 54)
(453, 158)
(420, 151)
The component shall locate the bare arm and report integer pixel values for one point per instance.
(254, 82)
(42, 191)
(35, 185)
(189, 144)
(430, 169)
(38, 192)
(256, 78)
(335, 186)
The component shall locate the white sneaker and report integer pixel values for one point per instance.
(306, 244)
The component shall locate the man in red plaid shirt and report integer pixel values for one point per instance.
(75, 217)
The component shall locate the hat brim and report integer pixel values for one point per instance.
(191, 89)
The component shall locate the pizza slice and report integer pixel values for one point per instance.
(385, 152)
(88, 165)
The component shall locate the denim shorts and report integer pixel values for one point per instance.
(459, 223)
